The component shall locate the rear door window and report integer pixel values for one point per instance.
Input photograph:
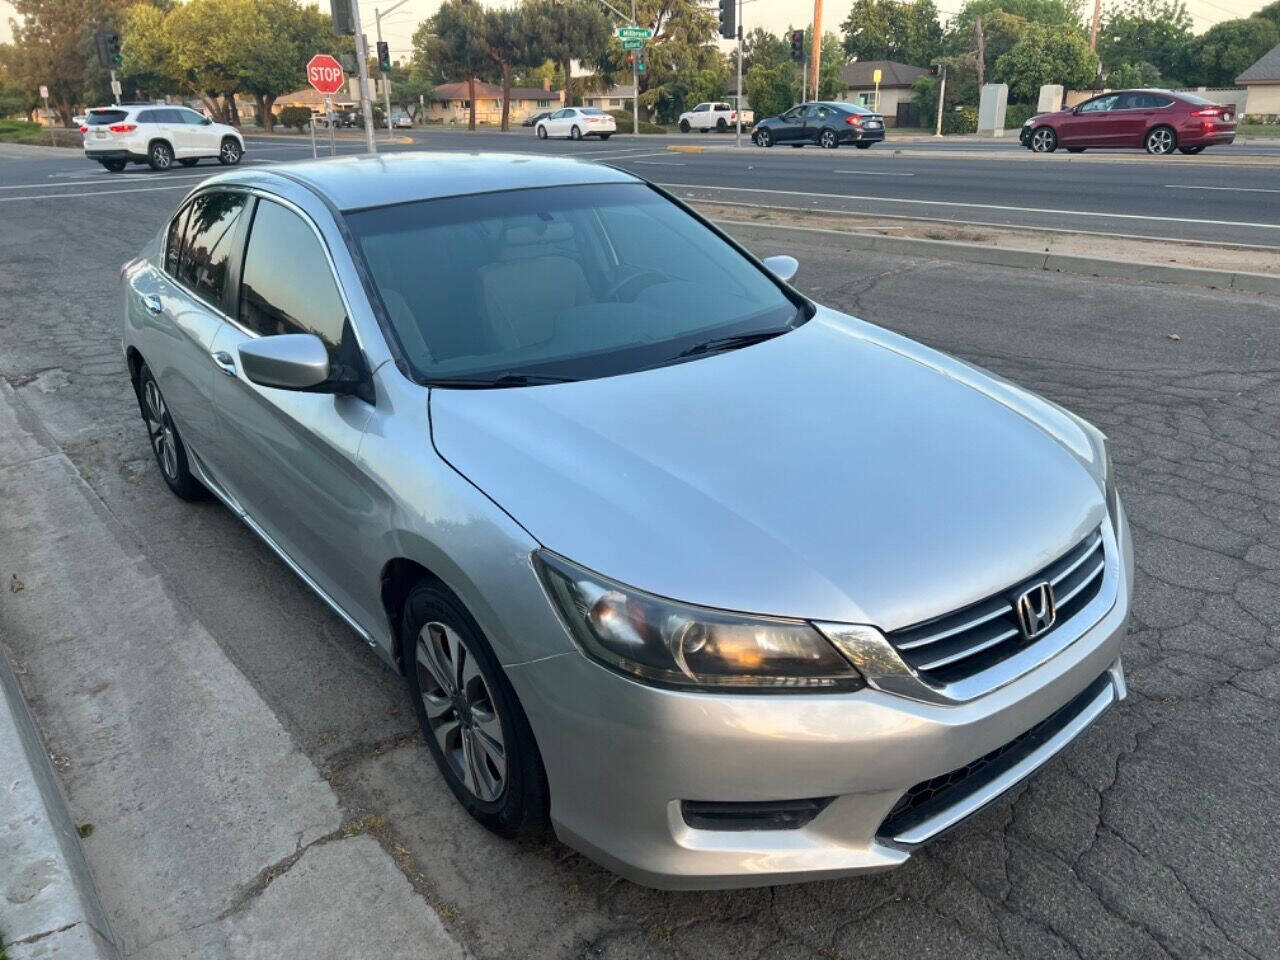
(150, 116)
(173, 243)
(287, 285)
(206, 252)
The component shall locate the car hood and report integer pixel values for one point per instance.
(838, 472)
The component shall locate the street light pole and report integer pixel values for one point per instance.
(737, 113)
(361, 62)
(942, 95)
(635, 82)
(386, 79)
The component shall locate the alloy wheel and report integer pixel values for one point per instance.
(1043, 140)
(161, 157)
(461, 712)
(829, 139)
(1160, 141)
(764, 138)
(160, 430)
(230, 153)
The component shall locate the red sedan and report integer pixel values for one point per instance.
(1158, 120)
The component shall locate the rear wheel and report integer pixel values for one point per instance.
(1161, 141)
(471, 720)
(1044, 140)
(160, 156)
(170, 452)
(115, 166)
(684, 126)
(1192, 151)
(229, 153)
(191, 162)
(828, 140)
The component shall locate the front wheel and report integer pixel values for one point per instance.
(1044, 140)
(471, 720)
(1161, 141)
(828, 140)
(575, 134)
(160, 156)
(764, 138)
(542, 133)
(684, 126)
(1190, 151)
(170, 452)
(230, 153)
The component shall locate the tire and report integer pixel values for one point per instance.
(160, 156)
(575, 133)
(605, 136)
(475, 730)
(828, 140)
(721, 125)
(1160, 141)
(166, 444)
(1190, 151)
(684, 126)
(863, 146)
(1044, 140)
(1075, 149)
(190, 162)
(542, 132)
(229, 153)
(764, 138)
(115, 166)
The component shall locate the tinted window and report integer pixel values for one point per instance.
(1099, 105)
(99, 118)
(170, 116)
(851, 108)
(286, 285)
(173, 244)
(591, 112)
(575, 281)
(149, 116)
(206, 252)
(1159, 101)
(191, 117)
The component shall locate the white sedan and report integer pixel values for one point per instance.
(576, 123)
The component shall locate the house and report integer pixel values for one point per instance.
(1262, 80)
(615, 98)
(450, 102)
(896, 93)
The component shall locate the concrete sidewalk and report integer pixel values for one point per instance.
(213, 836)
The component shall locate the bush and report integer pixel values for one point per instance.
(297, 117)
(624, 119)
(1016, 114)
(960, 121)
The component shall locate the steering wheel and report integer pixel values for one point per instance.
(638, 280)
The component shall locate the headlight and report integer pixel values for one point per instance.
(1027, 123)
(674, 644)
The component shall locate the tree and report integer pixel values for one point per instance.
(209, 58)
(769, 88)
(762, 48)
(567, 30)
(409, 89)
(1226, 49)
(684, 63)
(1153, 31)
(508, 45)
(1271, 12)
(453, 42)
(889, 30)
(1046, 55)
(1000, 32)
(55, 37)
(147, 53)
(279, 38)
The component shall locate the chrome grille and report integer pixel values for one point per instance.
(960, 644)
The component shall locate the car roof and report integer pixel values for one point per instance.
(354, 183)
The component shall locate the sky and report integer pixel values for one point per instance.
(773, 15)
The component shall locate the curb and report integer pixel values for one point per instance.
(1233, 280)
(49, 906)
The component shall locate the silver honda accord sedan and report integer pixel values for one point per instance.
(729, 587)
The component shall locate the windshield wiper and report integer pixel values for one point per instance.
(501, 380)
(732, 343)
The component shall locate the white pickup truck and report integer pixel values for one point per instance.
(714, 115)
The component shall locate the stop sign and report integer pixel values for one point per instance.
(325, 73)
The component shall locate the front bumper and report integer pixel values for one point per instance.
(622, 756)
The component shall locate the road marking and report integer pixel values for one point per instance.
(657, 163)
(1191, 186)
(973, 206)
(105, 178)
(93, 193)
(874, 173)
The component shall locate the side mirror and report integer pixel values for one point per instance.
(782, 267)
(206, 122)
(289, 361)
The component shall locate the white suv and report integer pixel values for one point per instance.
(157, 135)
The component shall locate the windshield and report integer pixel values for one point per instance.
(560, 282)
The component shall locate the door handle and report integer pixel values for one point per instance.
(152, 303)
(225, 363)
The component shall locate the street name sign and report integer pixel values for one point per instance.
(632, 44)
(325, 73)
(635, 33)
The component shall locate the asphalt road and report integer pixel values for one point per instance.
(1227, 195)
(1152, 837)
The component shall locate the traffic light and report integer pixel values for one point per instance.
(640, 61)
(797, 46)
(384, 56)
(933, 69)
(108, 44)
(729, 19)
(340, 10)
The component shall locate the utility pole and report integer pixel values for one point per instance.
(982, 51)
(737, 113)
(942, 96)
(635, 81)
(815, 47)
(386, 79)
(362, 57)
(1093, 31)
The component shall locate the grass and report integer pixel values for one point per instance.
(1258, 129)
(20, 131)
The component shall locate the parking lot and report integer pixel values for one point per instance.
(1153, 836)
